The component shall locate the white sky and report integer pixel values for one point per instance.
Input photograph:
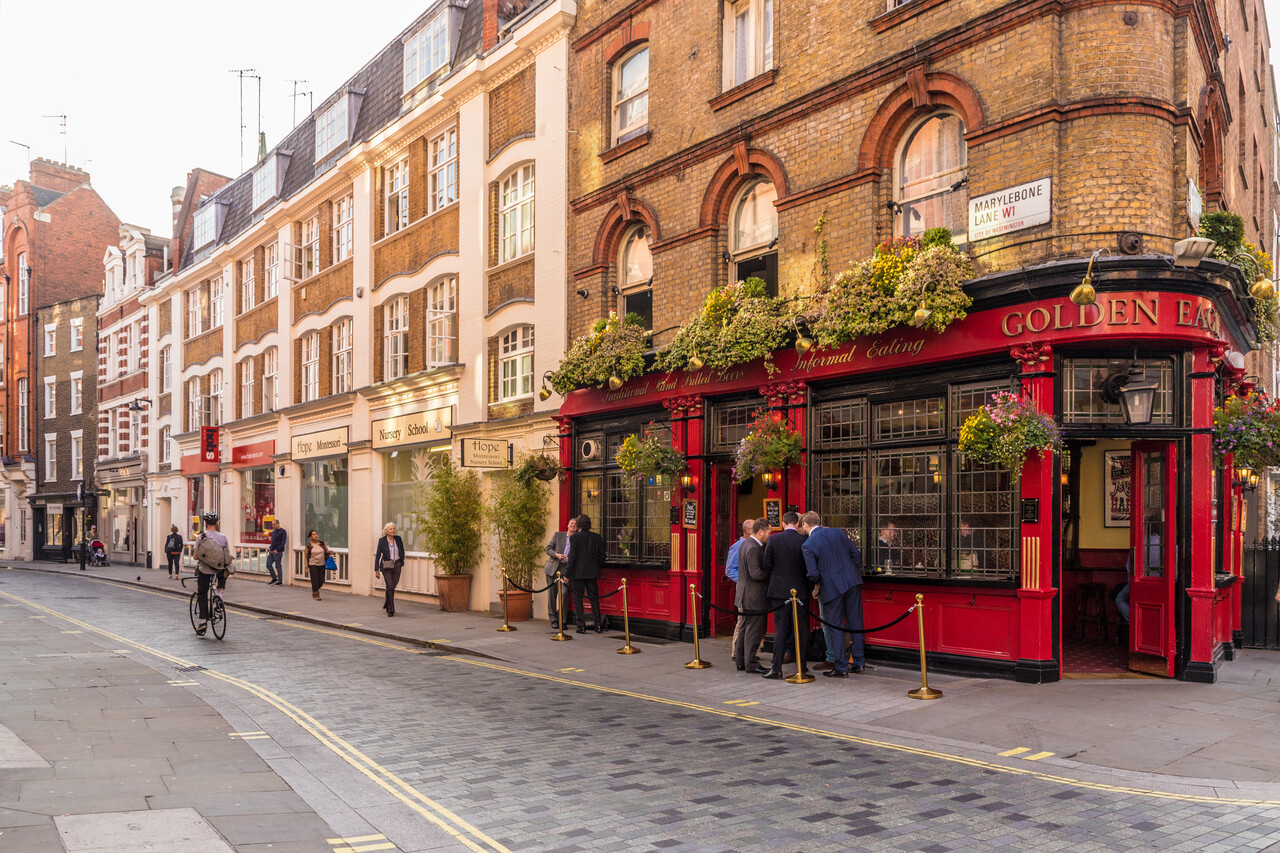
(146, 89)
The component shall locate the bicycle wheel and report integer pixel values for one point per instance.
(218, 618)
(195, 610)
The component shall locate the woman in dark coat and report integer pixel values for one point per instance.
(388, 560)
(314, 555)
(173, 551)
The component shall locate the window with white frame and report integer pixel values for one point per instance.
(166, 444)
(270, 271)
(51, 339)
(132, 262)
(24, 285)
(444, 169)
(931, 186)
(113, 433)
(77, 392)
(77, 334)
(195, 404)
(331, 129)
(50, 457)
(442, 322)
(51, 396)
(217, 303)
(631, 96)
(264, 182)
(248, 286)
(748, 40)
(77, 454)
(135, 432)
(515, 220)
(515, 363)
(196, 304)
(426, 50)
(395, 179)
(4, 299)
(342, 363)
(133, 349)
(24, 414)
(214, 402)
(754, 235)
(343, 232)
(309, 262)
(246, 388)
(310, 367)
(635, 277)
(395, 338)
(270, 371)
(202, 229)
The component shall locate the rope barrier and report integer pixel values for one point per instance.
(534, 591)
(885, 627)
(736, 612)
(604, 595)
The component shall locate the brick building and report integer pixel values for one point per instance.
(714, 138)
(121, 437)
(65, 426)
(368, 294)
(55, 229)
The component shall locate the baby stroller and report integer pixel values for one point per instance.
(98, 554)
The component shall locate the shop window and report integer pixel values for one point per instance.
(841, 484)
(404, 472)
(909, 418)
(748, 40)
(634, 517)
(442, 324)
(395, 338)
(515, 214)
(257, 503)
(842, 423)
(730, 423)
(54, 531)
(1083, 380)
(635, 276)
(631, 96)
(754, 235)
(324, 500)
(931, 186)
(515, 363)
(907, 511)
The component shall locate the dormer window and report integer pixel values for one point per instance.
(334, 125)
(426, 51)
(202, 231)
(264, 183)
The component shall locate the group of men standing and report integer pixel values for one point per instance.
(576, 555)
(767, 567)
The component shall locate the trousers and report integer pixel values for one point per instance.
(391, 577)
(591, 588)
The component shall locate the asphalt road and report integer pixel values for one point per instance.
(437, 751)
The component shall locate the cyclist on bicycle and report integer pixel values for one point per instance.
(213, 559)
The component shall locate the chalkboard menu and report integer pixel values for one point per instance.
(773, 512)
(690, 513)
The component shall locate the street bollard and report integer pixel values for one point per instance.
(628, 649)
(801, 677)
(506, 624)
(697, 662)
(560, 636)
(924, 691)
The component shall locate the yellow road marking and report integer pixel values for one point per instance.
(355, 840)
(572, 669)
(352, 624)
(439, 641)
(365, 848)
(741, 703)
(73, 632)
(1013, 752)
(1037, 756)
(245, 734)
(37, 617)
(184, 683)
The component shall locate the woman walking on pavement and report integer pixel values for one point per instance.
(173, 551)
(315, 555)
(388, 559)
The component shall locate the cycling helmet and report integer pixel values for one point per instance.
(210, 518)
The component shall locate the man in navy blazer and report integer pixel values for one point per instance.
(835, 564)
(784, 561)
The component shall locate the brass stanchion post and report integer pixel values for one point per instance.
(560, 636)
(801, 677)
(506, 624)
(697, 662)
(924, 691)
(628, 649)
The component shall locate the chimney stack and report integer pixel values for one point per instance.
(489, 28)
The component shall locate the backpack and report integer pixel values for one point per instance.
(213, 555)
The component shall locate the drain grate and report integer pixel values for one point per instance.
(196, 668)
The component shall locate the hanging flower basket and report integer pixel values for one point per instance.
(770, 445)
(1249, 427)
(538, 467)
(1005, 430)
(650, 456)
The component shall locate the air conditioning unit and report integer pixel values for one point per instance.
(590, 449)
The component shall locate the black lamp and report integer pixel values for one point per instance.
(1134, 391)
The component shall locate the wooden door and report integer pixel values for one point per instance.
(1153, 559)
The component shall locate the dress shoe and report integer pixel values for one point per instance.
(826, 664)
(582, 629)
(773, 674)
(741, 667)
(858, 669)
(757, 670)
(835, 673)
(391, 613)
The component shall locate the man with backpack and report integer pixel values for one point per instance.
(213, 560)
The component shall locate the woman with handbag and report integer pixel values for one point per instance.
(388, 559)
(316, 555)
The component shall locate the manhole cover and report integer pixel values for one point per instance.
(196, 668)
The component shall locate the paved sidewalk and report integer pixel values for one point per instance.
(1197, 739)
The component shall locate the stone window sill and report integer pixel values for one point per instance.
(905, 12)
(611, 154)
(742, 90)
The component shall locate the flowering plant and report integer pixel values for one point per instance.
(770, 445)
(649, 456)
(738, 323)
(1004, 430)
(1249, 427)
(613, 347)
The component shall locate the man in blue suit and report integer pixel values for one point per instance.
(835, 564)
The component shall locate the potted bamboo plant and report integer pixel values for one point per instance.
(449, 519)
(517, 511)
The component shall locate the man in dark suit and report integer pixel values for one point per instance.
(753, 582)
(584, 563)
(835, 564)
(557, 553)
(784, 561)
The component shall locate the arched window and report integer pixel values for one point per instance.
(631, 96)
(754, 235)
(635, 276)
(932, 188)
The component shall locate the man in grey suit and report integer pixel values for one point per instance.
(835, 564)
(557, 553)
(752, 594)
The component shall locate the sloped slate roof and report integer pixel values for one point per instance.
(45, 196)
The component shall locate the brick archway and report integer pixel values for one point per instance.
(745, 165)
(922, 94)
(625, 213)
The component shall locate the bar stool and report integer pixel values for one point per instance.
(1091, 609)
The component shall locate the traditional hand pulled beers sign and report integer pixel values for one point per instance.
(314, 445)
(1023, 206)
(431, 426)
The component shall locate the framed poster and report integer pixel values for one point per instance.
(773, 512)
(1117, 466)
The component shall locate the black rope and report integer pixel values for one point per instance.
(607, 594)
(534, 591)
(737, 612)
(910, 610)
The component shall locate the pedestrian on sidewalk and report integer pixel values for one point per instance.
(584, 562)
(731, 572)
(315, 555)
(557, 552)
(388, 560)
(834, 563)
(275, 553)
(173, 551)
(751, 595)
(784, 561)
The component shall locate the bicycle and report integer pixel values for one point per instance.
(217, 611)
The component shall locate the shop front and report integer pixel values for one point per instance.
(1020, 576)
(323, 496)
(203, 494)
(255, 477)
(121, 515)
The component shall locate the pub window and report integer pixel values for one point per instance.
(633, 517)
(931, 184)
(1082, 389)
(982, 542)
(635, 275)
(842, 423)
(841, 488)
(730, 423)
(909, 418)
(907, 517)
(754, 235)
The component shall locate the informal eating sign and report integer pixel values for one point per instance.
(1012, 209)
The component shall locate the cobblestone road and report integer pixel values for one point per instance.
(537, 764)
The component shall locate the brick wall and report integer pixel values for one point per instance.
(410, 249)
(201, 348)
(512, 113)
(514, 281)
(318, 293)
(166, 317)
(255, 323)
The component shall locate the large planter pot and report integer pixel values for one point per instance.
(519, 605)
(454, 592)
